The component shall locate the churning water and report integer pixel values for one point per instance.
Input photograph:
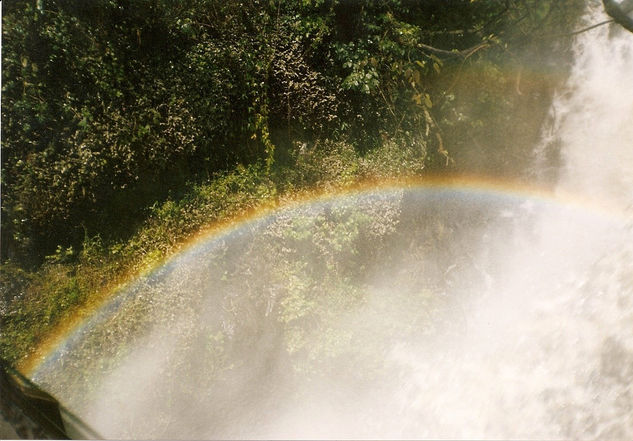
(459, 312)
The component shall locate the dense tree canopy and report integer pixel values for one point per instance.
(128, 125)
(109, 105)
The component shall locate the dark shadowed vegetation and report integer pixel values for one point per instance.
(128, 125)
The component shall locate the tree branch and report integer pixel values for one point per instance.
(579, 31)
(465, 53)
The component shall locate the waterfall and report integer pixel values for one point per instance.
(445, 312)
(592, 115)
(549, 353)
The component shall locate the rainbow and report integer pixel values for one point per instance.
(465, 186)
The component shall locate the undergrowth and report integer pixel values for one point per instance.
(35, 303)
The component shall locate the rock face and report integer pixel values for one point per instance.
(6, 429)
(26, 413)
(620, 12)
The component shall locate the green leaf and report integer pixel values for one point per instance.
(427, 101)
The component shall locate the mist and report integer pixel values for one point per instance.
(457, 312)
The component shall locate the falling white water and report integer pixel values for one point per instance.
(481, 316)
(593, 115)
(594, 124)
(549, 354)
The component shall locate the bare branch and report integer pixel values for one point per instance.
(465, 53)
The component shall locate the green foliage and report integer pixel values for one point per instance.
(128, 126)
(318, 275)
(109, 106)
(43, 300)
